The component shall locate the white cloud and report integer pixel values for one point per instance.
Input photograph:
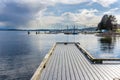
(105, 3)
(51, 2)
(71, 1)
(84, 17)
(35, 11)
(44, 22)
(111, 11)
(88, 17)
(69, 17)
(88, 13)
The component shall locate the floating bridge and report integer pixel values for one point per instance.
(69, 61)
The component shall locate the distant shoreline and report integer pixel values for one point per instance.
(108, 34)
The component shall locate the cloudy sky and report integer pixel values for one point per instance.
(43, 13)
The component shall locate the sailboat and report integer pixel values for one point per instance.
(67, 31)
(74, 31)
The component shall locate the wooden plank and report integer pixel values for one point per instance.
(49, 67)
(60, 67)
(39, 70)
(108, 71)
(67, 66)
(88, 67)
(63, 66)
(80, 69)
(88, 73)
(81, 77)
(93, 71)
(115, 69)
(73, 63)
(52, 69)
(70, 66)
(55, 74)
(68, 63)
(47, 70)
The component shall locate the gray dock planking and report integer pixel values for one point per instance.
(68, 63)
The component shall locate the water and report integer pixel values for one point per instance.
(20, 53)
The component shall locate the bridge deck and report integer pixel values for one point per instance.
(68, 63)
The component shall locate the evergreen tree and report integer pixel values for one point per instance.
(108, 22)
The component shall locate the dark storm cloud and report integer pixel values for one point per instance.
(15, 14)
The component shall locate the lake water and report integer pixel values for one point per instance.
(20, 53)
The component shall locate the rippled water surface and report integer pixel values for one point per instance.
(20, 53)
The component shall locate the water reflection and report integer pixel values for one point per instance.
(107, 44)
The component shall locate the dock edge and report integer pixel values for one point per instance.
(36, 75)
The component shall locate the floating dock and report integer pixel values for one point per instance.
(66, 61)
